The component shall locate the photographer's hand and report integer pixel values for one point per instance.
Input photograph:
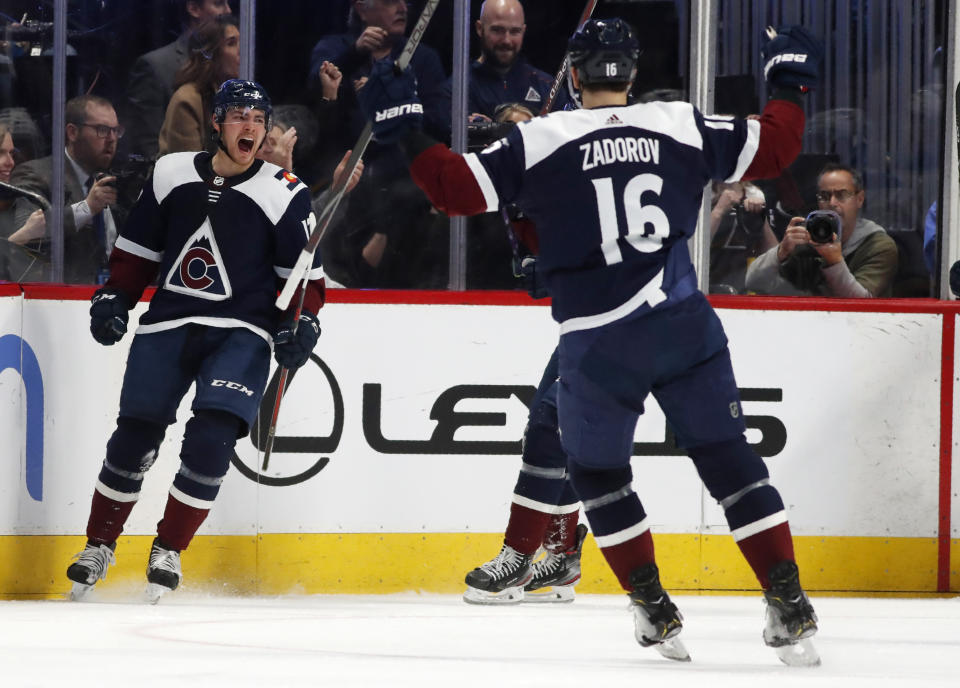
(795, 235)
(830, 252)
(101, 194)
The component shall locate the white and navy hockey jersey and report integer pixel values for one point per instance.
(615, 192)
(217, 245)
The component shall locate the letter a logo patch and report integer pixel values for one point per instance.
(198, 270)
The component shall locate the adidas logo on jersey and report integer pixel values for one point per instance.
(399, 111)
(799, 58)
(613, 119)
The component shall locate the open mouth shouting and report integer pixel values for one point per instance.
(245, 144)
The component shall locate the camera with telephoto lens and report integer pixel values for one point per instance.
(130, 176)
(482, 134)
(822, 225)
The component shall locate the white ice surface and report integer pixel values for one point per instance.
(437, 640)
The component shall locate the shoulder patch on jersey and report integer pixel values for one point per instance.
(198, 271)
(288, 177)
(532, 95)
(173, 170)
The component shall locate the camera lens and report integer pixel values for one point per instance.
(822, 225)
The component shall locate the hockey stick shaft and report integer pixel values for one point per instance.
(562, 72)
(301, 269)
(35, 197)
(337, 191)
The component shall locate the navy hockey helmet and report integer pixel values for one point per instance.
(241, 93)
(604, 51)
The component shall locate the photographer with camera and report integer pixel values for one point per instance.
(833, 251)
(91, 214)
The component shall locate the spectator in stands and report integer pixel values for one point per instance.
(860, 262)
(214, 58)
(151, 82)
(739, 232)
(501, 74)
(389, 238)
(16, 262)
(90, 218)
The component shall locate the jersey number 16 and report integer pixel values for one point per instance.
(638, 217)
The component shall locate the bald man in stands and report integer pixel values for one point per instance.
(501, 74)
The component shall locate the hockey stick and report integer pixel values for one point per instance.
(35, 197)
(301, 268)
(562, 73)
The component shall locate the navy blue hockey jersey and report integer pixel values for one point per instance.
(220, 243)
(615, 193)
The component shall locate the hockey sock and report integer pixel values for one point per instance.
(541, 486)
(526, 528)
(179, 524)
(131, 451)
(616, 517)
(767, 548)
(561, 535)
(107, 517)
(738, 479)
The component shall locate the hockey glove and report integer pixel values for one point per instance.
(533, 281)
(292, 348)
(792, 59)
(108, 315)
(389, 100)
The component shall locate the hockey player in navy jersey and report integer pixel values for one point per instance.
(220, 233)
(615, 192)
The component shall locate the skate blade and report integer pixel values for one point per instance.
(154, 592)
(554, 593)
(800, 654)
(507, 596)
(673, 649)
(79, 591)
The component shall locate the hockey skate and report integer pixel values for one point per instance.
(555, 576)
(163, 571)
(790, 619)
(657, 622)
(500, 580)
(90, 566)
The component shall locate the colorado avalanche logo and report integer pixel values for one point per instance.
(198, 270)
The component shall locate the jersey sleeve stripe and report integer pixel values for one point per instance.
(718, 125)
(748, 151)
(124, 244)
(490, 196)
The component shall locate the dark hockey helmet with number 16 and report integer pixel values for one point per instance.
(604, 51)
(239, 93)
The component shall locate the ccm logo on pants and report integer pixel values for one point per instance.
(232, 385)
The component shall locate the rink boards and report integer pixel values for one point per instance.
(398, 448)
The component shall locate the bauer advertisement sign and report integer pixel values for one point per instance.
(408, 419)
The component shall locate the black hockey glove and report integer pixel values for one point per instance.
(533, 281)
(292, 349)
(792, 59)
(389, 100)
(109, 315)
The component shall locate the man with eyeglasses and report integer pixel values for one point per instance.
(860, 262)
(91, 215)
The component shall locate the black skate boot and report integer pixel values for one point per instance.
(163, 571)
(500, 580)
(555, 575)
(90, 566)
(790, 619)
(657, 622)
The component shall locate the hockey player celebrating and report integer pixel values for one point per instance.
(222, 232)
(613, 250)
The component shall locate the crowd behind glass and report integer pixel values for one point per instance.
(140, 77)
